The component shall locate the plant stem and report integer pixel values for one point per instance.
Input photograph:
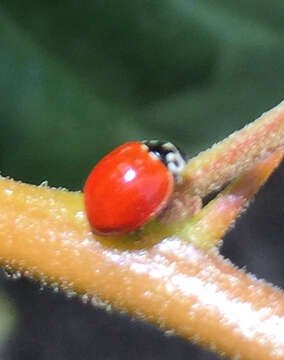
(235, 155)
(45, 235)
(154, 274)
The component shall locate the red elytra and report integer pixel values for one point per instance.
(127, 188)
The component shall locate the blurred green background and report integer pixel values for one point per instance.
(78, 78)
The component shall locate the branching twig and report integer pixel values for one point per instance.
(238, 153)
(155, 274)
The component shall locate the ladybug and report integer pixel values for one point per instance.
(131, 185)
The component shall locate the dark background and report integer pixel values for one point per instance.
(78, 78)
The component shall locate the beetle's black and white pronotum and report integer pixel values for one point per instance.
(169, 154)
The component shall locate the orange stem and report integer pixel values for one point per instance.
(45, 235)
(236, 154)
(207, 227)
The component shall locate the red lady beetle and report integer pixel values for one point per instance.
(131, 185)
